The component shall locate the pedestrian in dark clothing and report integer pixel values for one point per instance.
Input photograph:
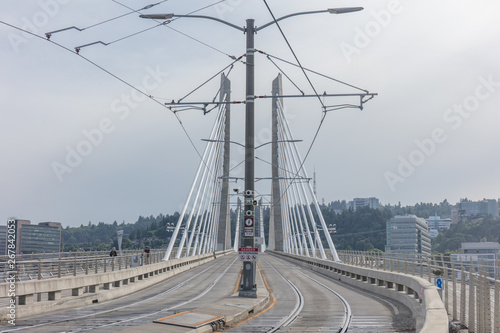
(146, 251)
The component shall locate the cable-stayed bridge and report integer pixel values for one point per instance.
(296, 224)
(301, 283)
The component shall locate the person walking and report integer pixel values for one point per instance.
(146, 252)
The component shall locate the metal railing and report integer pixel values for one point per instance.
(470, 289)
(57, 265)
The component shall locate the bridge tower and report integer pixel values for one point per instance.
(224, 230)
(276, 222)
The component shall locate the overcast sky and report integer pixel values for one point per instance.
(78, 144)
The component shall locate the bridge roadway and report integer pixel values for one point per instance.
(314, 305)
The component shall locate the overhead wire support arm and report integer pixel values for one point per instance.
(323, 95)
(77, 49)
(50, 33)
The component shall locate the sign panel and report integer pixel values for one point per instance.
(249, 222)
(248, 257)
(248, 249)
(249, 231)
(438, 282)
(248, 254)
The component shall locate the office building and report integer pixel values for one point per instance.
(3, 240)
(44, 237)
(407, 235)
(436, 225)
(478, 255)
(479, 208)
(363, 202)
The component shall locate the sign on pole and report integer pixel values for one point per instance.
(248, 254)
(438, 282)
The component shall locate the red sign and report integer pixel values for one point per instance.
(249, 250)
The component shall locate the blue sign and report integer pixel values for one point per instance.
(438, 282)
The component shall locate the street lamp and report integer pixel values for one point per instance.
(248, 287)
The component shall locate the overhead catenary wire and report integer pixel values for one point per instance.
(49, 34)
(293, 53)
(109, 73)
(165, 24)
(311, 71)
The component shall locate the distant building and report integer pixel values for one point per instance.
(3, 239)
(477, 254)
(455, 216)
(407, 235)
(363, 202)
(37, 238)
(480, 208)
(436, 225)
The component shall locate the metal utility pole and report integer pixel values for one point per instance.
(248, 288)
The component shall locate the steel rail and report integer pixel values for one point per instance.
(299, 304)
(348, 312)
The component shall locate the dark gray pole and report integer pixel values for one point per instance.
(248, 287)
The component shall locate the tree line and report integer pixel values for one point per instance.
(363, 229)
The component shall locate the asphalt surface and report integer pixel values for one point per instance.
(202, 287)
(322, 310)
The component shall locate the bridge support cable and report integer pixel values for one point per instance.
(261, 227)
(294, 189)
(306, 193)
(203, 193)
(298, 190)
(210, 171)
(301, 197)
(196, 203)
(212, 203)
(237, 231)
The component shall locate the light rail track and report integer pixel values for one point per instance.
(348, 312)
(300, 303)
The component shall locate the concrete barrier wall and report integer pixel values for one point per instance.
(40, 296)
(420, 296)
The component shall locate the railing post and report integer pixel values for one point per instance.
(454, 294)
(74, 266)
(480, 301)
(112, 264)
(87, 266)
(472, 303)
(497, 299)
(59, 268)
(446, 285)
(96, 265)
(120, 263)
(487, 304)
(39, 269)
(462, 292)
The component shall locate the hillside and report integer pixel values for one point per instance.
(467, 231)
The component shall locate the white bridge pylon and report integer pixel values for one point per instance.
(296, 224)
